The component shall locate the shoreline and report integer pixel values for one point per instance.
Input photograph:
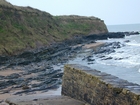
(56, 91)
(48, 77)
(93, 45)
(73, 40)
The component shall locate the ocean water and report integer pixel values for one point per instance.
(125, 62)
(123, 28)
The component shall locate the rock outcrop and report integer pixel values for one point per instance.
(26, 28)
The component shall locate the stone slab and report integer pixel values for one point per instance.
(46, 100)
(98, 88)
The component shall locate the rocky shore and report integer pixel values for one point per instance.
(41, 70)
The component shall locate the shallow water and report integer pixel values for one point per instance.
(125, 62)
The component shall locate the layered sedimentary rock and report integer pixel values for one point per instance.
(98, 88)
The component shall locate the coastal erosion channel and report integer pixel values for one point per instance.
(40, 72)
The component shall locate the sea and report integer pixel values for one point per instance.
(123, 27)
(125, 62)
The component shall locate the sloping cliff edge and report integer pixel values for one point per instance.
(25, 28)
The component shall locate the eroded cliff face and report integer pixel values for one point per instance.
(25, 28)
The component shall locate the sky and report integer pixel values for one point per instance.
(113, 12)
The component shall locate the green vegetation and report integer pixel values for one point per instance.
(25, 28)
(80, 25)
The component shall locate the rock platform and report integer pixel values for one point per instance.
(44, 100)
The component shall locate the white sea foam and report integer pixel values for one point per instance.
(124, 62)
(139, 70)
(133, 44)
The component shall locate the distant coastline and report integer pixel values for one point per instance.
(124, 27)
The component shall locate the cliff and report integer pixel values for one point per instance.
(25, 28)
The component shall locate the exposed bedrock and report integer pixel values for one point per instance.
(62, 47)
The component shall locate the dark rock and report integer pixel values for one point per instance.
(89, 63)
(105, 50)
(11, 82)
(1, 101)
(75, 49)
(127, 41)
(27, 55)
(107, 58)
(105, 36)
(90, 59)
(25, 87)
(2, 77)
(18, 80)
(118, 58)
(101, 56)
(113, 45)
(58, 75)
(3, 59)
(108, 48)
(116, 45)
(131, 33)
(12, 76)
(22, 84)
(50, 72)
(4, 84)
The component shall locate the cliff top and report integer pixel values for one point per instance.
(6, 4)
(76, 17)
(26, 28)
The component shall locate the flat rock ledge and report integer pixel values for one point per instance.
(98, 88)
(44, 100)
(85, 86)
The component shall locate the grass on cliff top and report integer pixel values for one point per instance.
(77, 25)
(27, 28)
(5, 3)
(20, 30)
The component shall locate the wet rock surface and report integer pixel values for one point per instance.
(49, 100)
(109, 48)
(42, 69)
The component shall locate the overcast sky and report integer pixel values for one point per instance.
(111, 11)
